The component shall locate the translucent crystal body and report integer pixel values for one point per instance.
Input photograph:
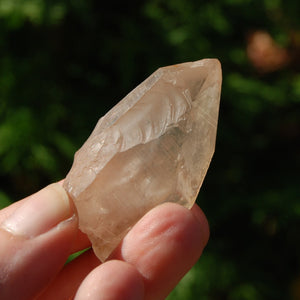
(154, 146)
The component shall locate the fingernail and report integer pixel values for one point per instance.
(40, 212)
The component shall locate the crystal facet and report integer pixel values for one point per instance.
(154, 146)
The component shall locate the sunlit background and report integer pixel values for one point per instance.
(63, 64)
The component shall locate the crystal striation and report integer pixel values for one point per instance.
(154, 146)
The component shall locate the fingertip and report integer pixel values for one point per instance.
(115, 279)
(39, 232)
(204, 225)
(164, 245)
(40, 213)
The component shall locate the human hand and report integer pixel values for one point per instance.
(38, 233)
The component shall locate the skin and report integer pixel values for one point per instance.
(38, 233)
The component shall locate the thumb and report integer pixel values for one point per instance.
(35, 241)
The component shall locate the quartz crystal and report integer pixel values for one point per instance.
(154, 146)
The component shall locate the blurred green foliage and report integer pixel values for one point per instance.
(63, 64)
